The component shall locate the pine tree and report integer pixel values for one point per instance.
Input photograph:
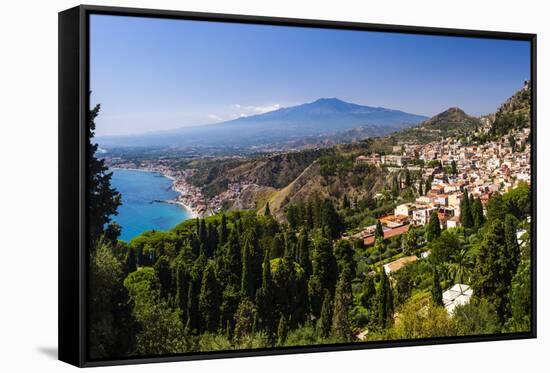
(341, 324)
(433, 229)
(437, 294)
(385, 301)
(209, 300)
(103, 200)
(325, 322)
(267, 212)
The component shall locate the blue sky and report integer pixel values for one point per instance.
(154, 74)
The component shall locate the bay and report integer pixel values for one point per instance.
(140, 210)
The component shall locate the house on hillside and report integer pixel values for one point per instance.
(388, 233)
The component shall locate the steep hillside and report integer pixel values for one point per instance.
(515, 113)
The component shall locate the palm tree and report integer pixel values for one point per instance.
(460, 266)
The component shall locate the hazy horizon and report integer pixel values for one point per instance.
(159, 74)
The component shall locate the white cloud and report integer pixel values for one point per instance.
(214, 117)
(265, 109)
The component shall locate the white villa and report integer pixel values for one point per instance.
(458, 295)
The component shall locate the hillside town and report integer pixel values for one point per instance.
(481, 170)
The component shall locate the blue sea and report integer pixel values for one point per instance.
(138, 212)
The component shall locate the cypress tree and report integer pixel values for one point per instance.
(465, 211)
(513, 252)
(267, 212)
(331, 220)
(232, 261)
(303, 253)
(345, 202)
(182, 281)
(385, 301)
(379, 232)
(477, 213)
(325, 322)
(223, 230)
(454, 170)
(164, 275)
(282, 331)
(277, 247)
(309, 216)
(433, 230)
(212, 240)
(437, 294)
(420, 192)
(103, 200)
(341, 324)
(265, 299)
(408, 182)
(244, 319)
(202, 232)
(495, 266)
(209, 300)
(192, 324)
(324, 264)
(496, 208)
(427, 186)
(247, 280)
(131, 262)
(395, 186)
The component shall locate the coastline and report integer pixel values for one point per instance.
(193, 213)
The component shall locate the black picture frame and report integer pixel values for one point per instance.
(73, 155)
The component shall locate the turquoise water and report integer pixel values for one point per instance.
(138, 212)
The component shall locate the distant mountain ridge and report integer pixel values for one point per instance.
(322, 117)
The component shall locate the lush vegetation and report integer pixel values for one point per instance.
(244, 280)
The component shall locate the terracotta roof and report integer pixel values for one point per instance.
(388, 234)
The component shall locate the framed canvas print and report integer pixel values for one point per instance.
(235, 186)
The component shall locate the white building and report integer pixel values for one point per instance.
(458, 295)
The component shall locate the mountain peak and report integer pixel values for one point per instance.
(451, 115)
(329, 100)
